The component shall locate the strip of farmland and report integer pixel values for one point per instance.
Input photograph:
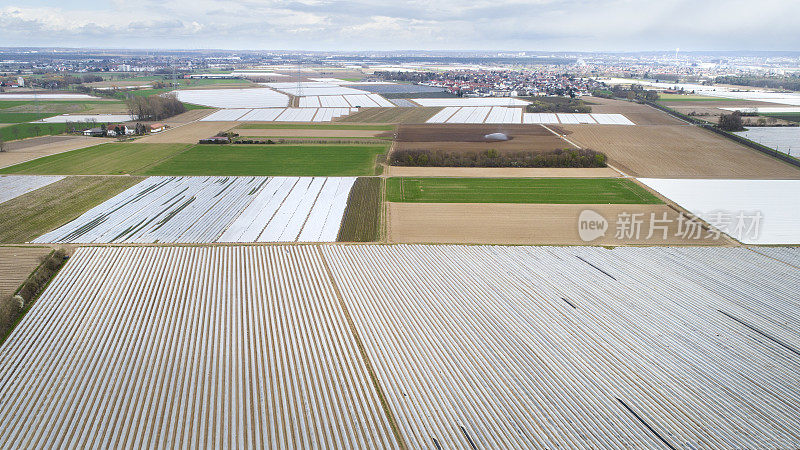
(12, 186)
(214, 209)
(279, 114)
(511, 115)
(528, 347)
(470, 347)
(188, 347)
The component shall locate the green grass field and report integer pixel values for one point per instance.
(27, 130)
(45, 209)
(53, 107)
(104, 159)
(312, 126)
(295, 160)
(15, 117)
(518, 190)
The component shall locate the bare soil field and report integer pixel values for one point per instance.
(16, 263)
(499, 172)
(28, 149)
(118, 83)
(638, 113)
(310, 132)
(536, 224)
(678, 151)
(470, 137)
(189, 133)
(189, 116)
(391, 115)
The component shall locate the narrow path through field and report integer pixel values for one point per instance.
(362, 350)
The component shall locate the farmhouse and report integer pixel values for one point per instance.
(156, 127)
(96, 131)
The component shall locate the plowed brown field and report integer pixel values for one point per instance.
(677, 151)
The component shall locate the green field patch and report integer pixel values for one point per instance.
(15, 117)
(361, 220)
(518, 190)
(319, 126)
(289, 160)
(104, 159)
(27, 130)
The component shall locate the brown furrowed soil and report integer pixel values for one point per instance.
(470, 137)
(677, 151)
(536, 224)
(16, 264)
(310, 132)
(391, 115)
(637, 113)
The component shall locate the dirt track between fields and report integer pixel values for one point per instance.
(535, 224)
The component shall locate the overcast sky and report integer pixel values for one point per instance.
(548, 25)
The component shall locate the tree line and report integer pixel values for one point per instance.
(154, 107)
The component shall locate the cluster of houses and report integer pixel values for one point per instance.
(510, 83)
(121, 129)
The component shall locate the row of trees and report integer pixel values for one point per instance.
(493, 158)
(635, 92)
(557, 105)
(790, 82)
(154, 107)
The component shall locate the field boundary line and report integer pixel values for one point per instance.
(623, 174)
(364, 356)
(562, 137)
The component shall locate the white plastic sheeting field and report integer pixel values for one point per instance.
(12, 186)
(234, 98)
(503, 114)
(278, 115)
(54, 96)
(315, 88)
(99, 118)
(767, 210)
(214, 209)
(782, 139)
(237, 347)
(471, 101)
(536, 347)
(471, 347)
(345, 101)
